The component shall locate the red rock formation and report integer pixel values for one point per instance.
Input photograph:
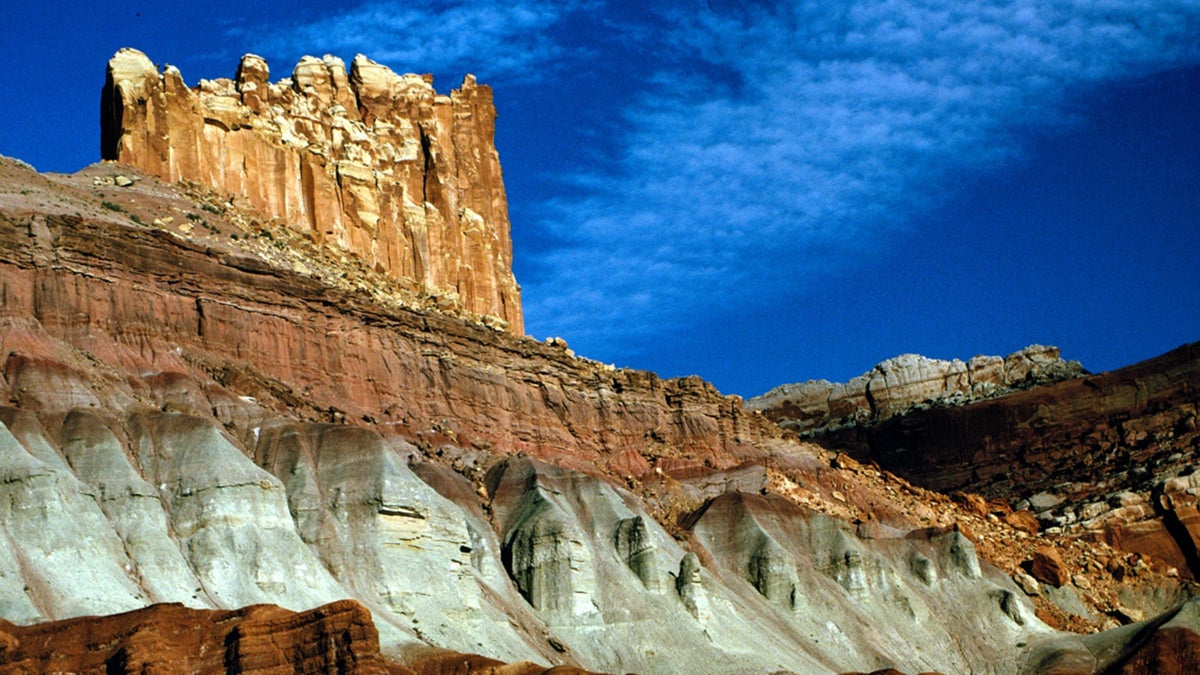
(141, 301)
(104, 313)
(369, 162)
(338, 637)
(1029, 440)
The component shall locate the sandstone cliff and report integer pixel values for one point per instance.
(366, 161)
(902, 383)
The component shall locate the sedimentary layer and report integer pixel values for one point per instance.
(334, 638)
(194, 414)
(151, 301)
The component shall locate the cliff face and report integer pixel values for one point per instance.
(326, 355)
(367, 161)
(202, 407)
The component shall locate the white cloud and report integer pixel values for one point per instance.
(490, 38)
(785, 137)
(760, 143)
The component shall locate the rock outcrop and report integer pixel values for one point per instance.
(338, 637)
(805, 568)
(1111, 456)
(1167, 644)
(1047, 567)
(225, 335)
(367, 162)
(905, 382)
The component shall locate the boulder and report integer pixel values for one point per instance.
(1048, 567)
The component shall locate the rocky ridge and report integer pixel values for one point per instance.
(1109, 456)
(364, 161)
(1106, 457)
(909, 381)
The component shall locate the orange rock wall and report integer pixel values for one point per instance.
(150, 303)
(366, 161)
(338, 637)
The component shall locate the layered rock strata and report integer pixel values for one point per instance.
(187, 423)
(905, 382)
(367, 161)
(312, 513)
(189, 417)
(338, 637)
(196, 316)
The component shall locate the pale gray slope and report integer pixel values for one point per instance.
(549, 565)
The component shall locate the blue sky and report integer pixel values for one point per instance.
(761, 192)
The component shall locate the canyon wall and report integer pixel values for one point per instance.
(286, 342)
(367, 162)
(206, 414)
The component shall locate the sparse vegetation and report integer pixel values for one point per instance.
(112, 207)
(134, 217)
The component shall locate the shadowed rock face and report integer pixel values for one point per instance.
(369, 162)
(1110, 456)
(635, 546)
(1166, 644)
(1170, 651)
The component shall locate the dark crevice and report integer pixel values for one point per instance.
(428, 168)
(110, 120)
(1187, 546)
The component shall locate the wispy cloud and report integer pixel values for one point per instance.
(780, 139)
(490, 38)
(756, 144)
